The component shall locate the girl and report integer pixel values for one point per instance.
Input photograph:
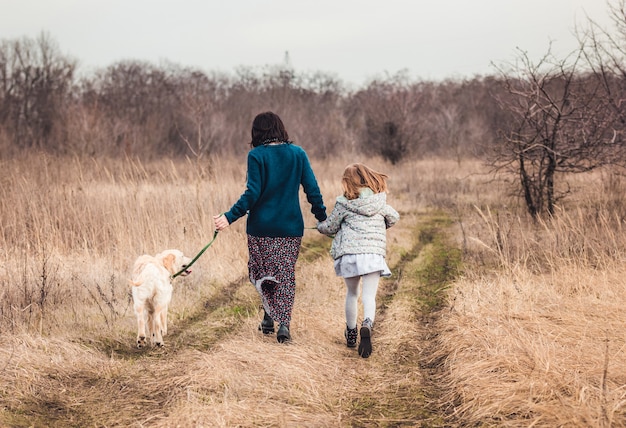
(276, 170)
(359, 221)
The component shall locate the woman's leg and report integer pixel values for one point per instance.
(352, 297)
(272, 269)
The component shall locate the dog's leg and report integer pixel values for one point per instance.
(164, 320)
(151, 327)
(141, 326)
(158, 328)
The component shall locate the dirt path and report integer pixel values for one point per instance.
(218, 370)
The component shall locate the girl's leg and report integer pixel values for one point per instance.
(352, 297)
(370, 287)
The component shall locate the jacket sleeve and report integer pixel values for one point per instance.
(332, 224)
(391, 216)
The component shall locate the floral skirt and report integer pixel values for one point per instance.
(272, 270)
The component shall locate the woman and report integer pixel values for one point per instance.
(276, 170)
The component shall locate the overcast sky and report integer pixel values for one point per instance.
(354, 40)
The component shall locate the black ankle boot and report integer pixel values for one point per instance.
(283, 334)
(365, 345)
(351, 336)
(267, 325)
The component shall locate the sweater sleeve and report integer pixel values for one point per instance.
(250, 195)
(312, 190)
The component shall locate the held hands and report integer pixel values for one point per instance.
(221, 222)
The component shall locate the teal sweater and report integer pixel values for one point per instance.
(271, 198)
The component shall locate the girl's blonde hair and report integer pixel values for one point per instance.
(357, 176)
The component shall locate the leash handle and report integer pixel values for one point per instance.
(197, 256)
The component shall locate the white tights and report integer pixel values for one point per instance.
(368, 297)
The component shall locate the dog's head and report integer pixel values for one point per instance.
(174, 261)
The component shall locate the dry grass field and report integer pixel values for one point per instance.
(489, 319)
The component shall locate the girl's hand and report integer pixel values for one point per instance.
(221, 222)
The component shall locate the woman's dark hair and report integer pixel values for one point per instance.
(267, 128)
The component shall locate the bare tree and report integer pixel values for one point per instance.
(558, 124)
(35, 89)
(200, 122)
(389, 111)
(605, 53)
(132, 95)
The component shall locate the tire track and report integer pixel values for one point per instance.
(408, 309)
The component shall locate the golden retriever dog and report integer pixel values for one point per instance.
(152, 292)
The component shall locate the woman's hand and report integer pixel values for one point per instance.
(221, 222)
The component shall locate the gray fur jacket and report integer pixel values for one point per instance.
(359, 225)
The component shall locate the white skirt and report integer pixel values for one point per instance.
(350, 265)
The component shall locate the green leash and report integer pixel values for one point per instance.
(203, 250)
(197, 256)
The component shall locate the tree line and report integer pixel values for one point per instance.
(138, 108)
(534, 120)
